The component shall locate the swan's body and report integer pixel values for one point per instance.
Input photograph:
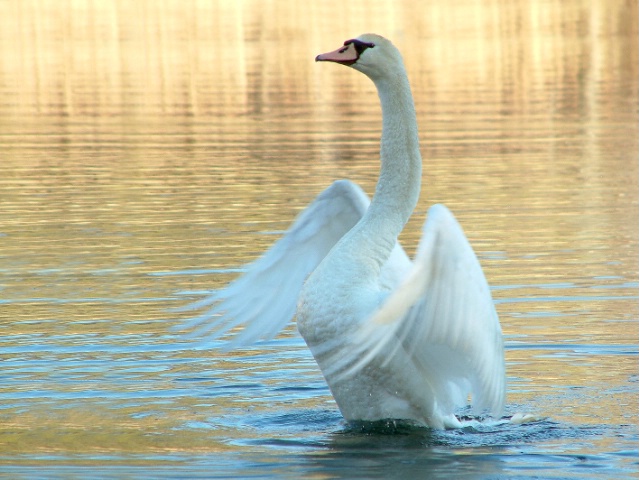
(394, 339)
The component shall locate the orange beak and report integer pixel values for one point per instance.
(346, 55)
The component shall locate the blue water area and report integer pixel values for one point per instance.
(114, 406)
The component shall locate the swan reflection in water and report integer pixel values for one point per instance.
(394, 338)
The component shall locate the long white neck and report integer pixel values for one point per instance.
(399, 181)
(361, 254)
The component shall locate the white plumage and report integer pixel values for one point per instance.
(394, 339)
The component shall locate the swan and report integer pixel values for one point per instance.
(395, 339)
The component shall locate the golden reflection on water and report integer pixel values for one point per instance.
(141, 139)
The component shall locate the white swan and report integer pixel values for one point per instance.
(394, 339)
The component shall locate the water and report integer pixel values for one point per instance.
(149, 151)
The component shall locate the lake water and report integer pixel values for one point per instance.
(150, 149)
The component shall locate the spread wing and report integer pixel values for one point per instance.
(442, 318)
(264, 298)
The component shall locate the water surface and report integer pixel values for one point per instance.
(149, 151)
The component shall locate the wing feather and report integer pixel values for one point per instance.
(442, 317)
(264, 298)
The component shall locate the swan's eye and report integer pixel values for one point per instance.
(359, 45)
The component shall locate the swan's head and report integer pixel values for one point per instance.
(371, 54)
